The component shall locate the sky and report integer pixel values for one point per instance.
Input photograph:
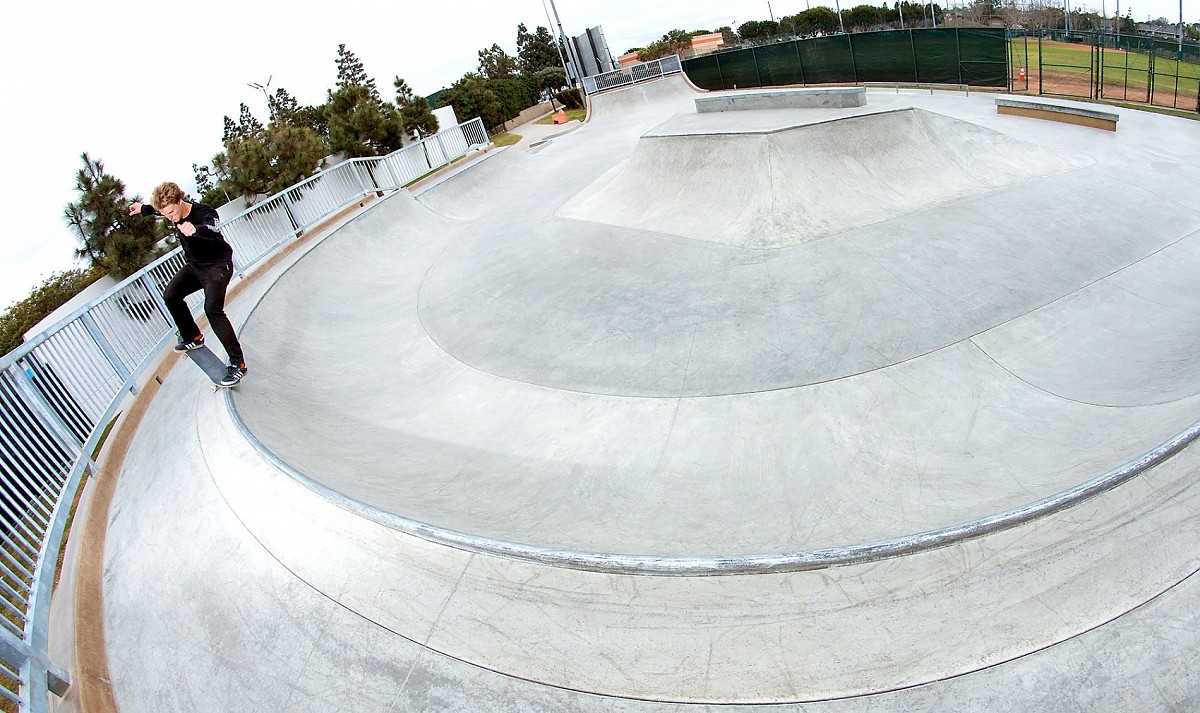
(147, 94)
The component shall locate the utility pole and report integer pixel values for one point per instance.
(557, 41)
(570, 47)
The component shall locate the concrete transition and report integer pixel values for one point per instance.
(858, 366)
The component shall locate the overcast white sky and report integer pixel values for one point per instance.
(147, 93)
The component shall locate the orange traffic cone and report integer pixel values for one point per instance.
(1022, 73)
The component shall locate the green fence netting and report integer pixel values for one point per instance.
(975, 56)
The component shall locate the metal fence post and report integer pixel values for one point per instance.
(1041, 69)
(442, 147)
(44, 412)
(392, 172)
(297, 229)
(799, 61)
(853, 60)
(155, 295)
(1150, 78)
(353, 168)
(958, 52)
(912, 42)
(34, 665)
(93, 330)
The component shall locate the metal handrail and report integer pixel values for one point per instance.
(61, 389)
(633, 74)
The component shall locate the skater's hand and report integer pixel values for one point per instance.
(135, 209)
(187, 229)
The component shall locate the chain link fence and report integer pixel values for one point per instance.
(1109, 66)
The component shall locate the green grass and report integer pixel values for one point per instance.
(505, 139)
(572, 115)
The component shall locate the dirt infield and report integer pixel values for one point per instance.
(1072, 84)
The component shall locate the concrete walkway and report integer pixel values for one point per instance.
(534, 135)
(539, 366)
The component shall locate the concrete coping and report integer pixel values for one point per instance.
(1058, 112)
(790, 98)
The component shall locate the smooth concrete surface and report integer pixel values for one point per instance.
(628, 391)
(806, 98)
(580, 384)
(204, 616)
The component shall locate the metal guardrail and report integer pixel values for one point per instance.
(60, 390)
(632, 74)
(931, 86)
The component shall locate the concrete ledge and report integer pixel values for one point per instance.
(1058, 112)
(815, 98)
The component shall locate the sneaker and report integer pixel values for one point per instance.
(233, 374)
(183, 346)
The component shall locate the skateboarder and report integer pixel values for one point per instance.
(209, 267)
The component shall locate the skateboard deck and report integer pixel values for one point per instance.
(210, 364)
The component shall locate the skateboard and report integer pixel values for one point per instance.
(210, 364)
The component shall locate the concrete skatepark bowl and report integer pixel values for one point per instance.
(727, 408)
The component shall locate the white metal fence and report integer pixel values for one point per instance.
(632, 74)
(60, 390)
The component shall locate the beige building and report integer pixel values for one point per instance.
(701, 44)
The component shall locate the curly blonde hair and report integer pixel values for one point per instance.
(166, 193)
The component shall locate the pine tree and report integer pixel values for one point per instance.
(266, 160)
(108, 235)
(495, 63)
(351, 73)
(245, 127)
(536, 51)
(418, 118)
(359, 122)
(282, 106)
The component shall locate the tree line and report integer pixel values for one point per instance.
(815, 21)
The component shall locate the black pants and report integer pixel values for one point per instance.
(213, 279)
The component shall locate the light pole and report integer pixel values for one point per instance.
(839, 9)
(1119, 25)
(263, 88)
(558, 44)
(570, 47)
